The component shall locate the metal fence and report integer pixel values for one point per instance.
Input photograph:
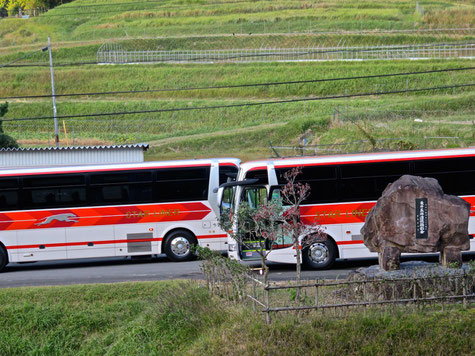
(114, 54)
(377, 145)
(321, 295)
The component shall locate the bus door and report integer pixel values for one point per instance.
(253, 197)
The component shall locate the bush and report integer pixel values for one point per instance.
(7, 141)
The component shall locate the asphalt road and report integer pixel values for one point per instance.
(112, 270)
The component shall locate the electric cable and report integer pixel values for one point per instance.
(239, 85)
(241, 105)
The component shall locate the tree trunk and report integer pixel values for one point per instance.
(298, 255)
(265, 268)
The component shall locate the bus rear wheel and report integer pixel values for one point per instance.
(178, 246)
(3, 258)
(319, 255)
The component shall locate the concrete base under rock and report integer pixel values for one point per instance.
(389, 258)
(411, 269)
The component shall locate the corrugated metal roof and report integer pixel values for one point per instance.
(144, 146)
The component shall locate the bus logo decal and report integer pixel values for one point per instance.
(68, 217)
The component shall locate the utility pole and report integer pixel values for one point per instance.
(55, 114)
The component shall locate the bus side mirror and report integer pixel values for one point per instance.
(219, 195)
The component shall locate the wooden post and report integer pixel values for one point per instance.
(464, 289)
(268, 318)
(316, 295)
(254, 294)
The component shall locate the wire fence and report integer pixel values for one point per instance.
(25, 13)
(273, 297)
(114, 54)
(360, 146)
(424, 285)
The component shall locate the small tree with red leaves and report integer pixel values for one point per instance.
(303, 234)
(259, 226)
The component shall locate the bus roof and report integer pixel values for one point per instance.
(359, 158)
(117, 166)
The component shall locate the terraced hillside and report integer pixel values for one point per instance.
(243, 118)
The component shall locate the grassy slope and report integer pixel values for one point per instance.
(299, 116)
(163, 318)
(172, 17)
(77, 38)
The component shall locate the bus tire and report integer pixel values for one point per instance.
(3, 258)
(319, 255)
(178, 246)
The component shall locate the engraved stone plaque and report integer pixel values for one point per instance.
(422, 219)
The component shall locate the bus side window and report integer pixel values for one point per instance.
(255, 196)
(275, 195)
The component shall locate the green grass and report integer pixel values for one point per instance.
(245, 131)
(170, 18)
(93, 78)
(181, 318)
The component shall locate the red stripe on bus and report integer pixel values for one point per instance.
(257, 168)
(211, 236)
(96, 216)
(82, 243)
(347, 213)
(365, 161)
(353, 242)
(103, 170)
(104, 242)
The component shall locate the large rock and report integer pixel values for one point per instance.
(442, 225)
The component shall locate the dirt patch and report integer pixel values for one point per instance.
(77, 142)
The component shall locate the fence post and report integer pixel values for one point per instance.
(254, 294)
(316, 294)
(266, 289)
(464, 287)
(364, 296)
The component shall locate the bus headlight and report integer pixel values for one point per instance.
(232, 247)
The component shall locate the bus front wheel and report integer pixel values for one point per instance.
(178, 246)
(319, 255)
(3, 258)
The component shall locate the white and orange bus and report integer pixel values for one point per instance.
(343, 190)
(111, 210)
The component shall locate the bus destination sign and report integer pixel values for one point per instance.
(422, 219)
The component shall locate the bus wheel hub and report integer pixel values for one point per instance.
(318, 252)
(180, 246)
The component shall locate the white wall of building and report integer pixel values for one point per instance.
(50, 156)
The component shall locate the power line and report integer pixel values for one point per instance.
(23, 57)
(244, 104)
(240, 85)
